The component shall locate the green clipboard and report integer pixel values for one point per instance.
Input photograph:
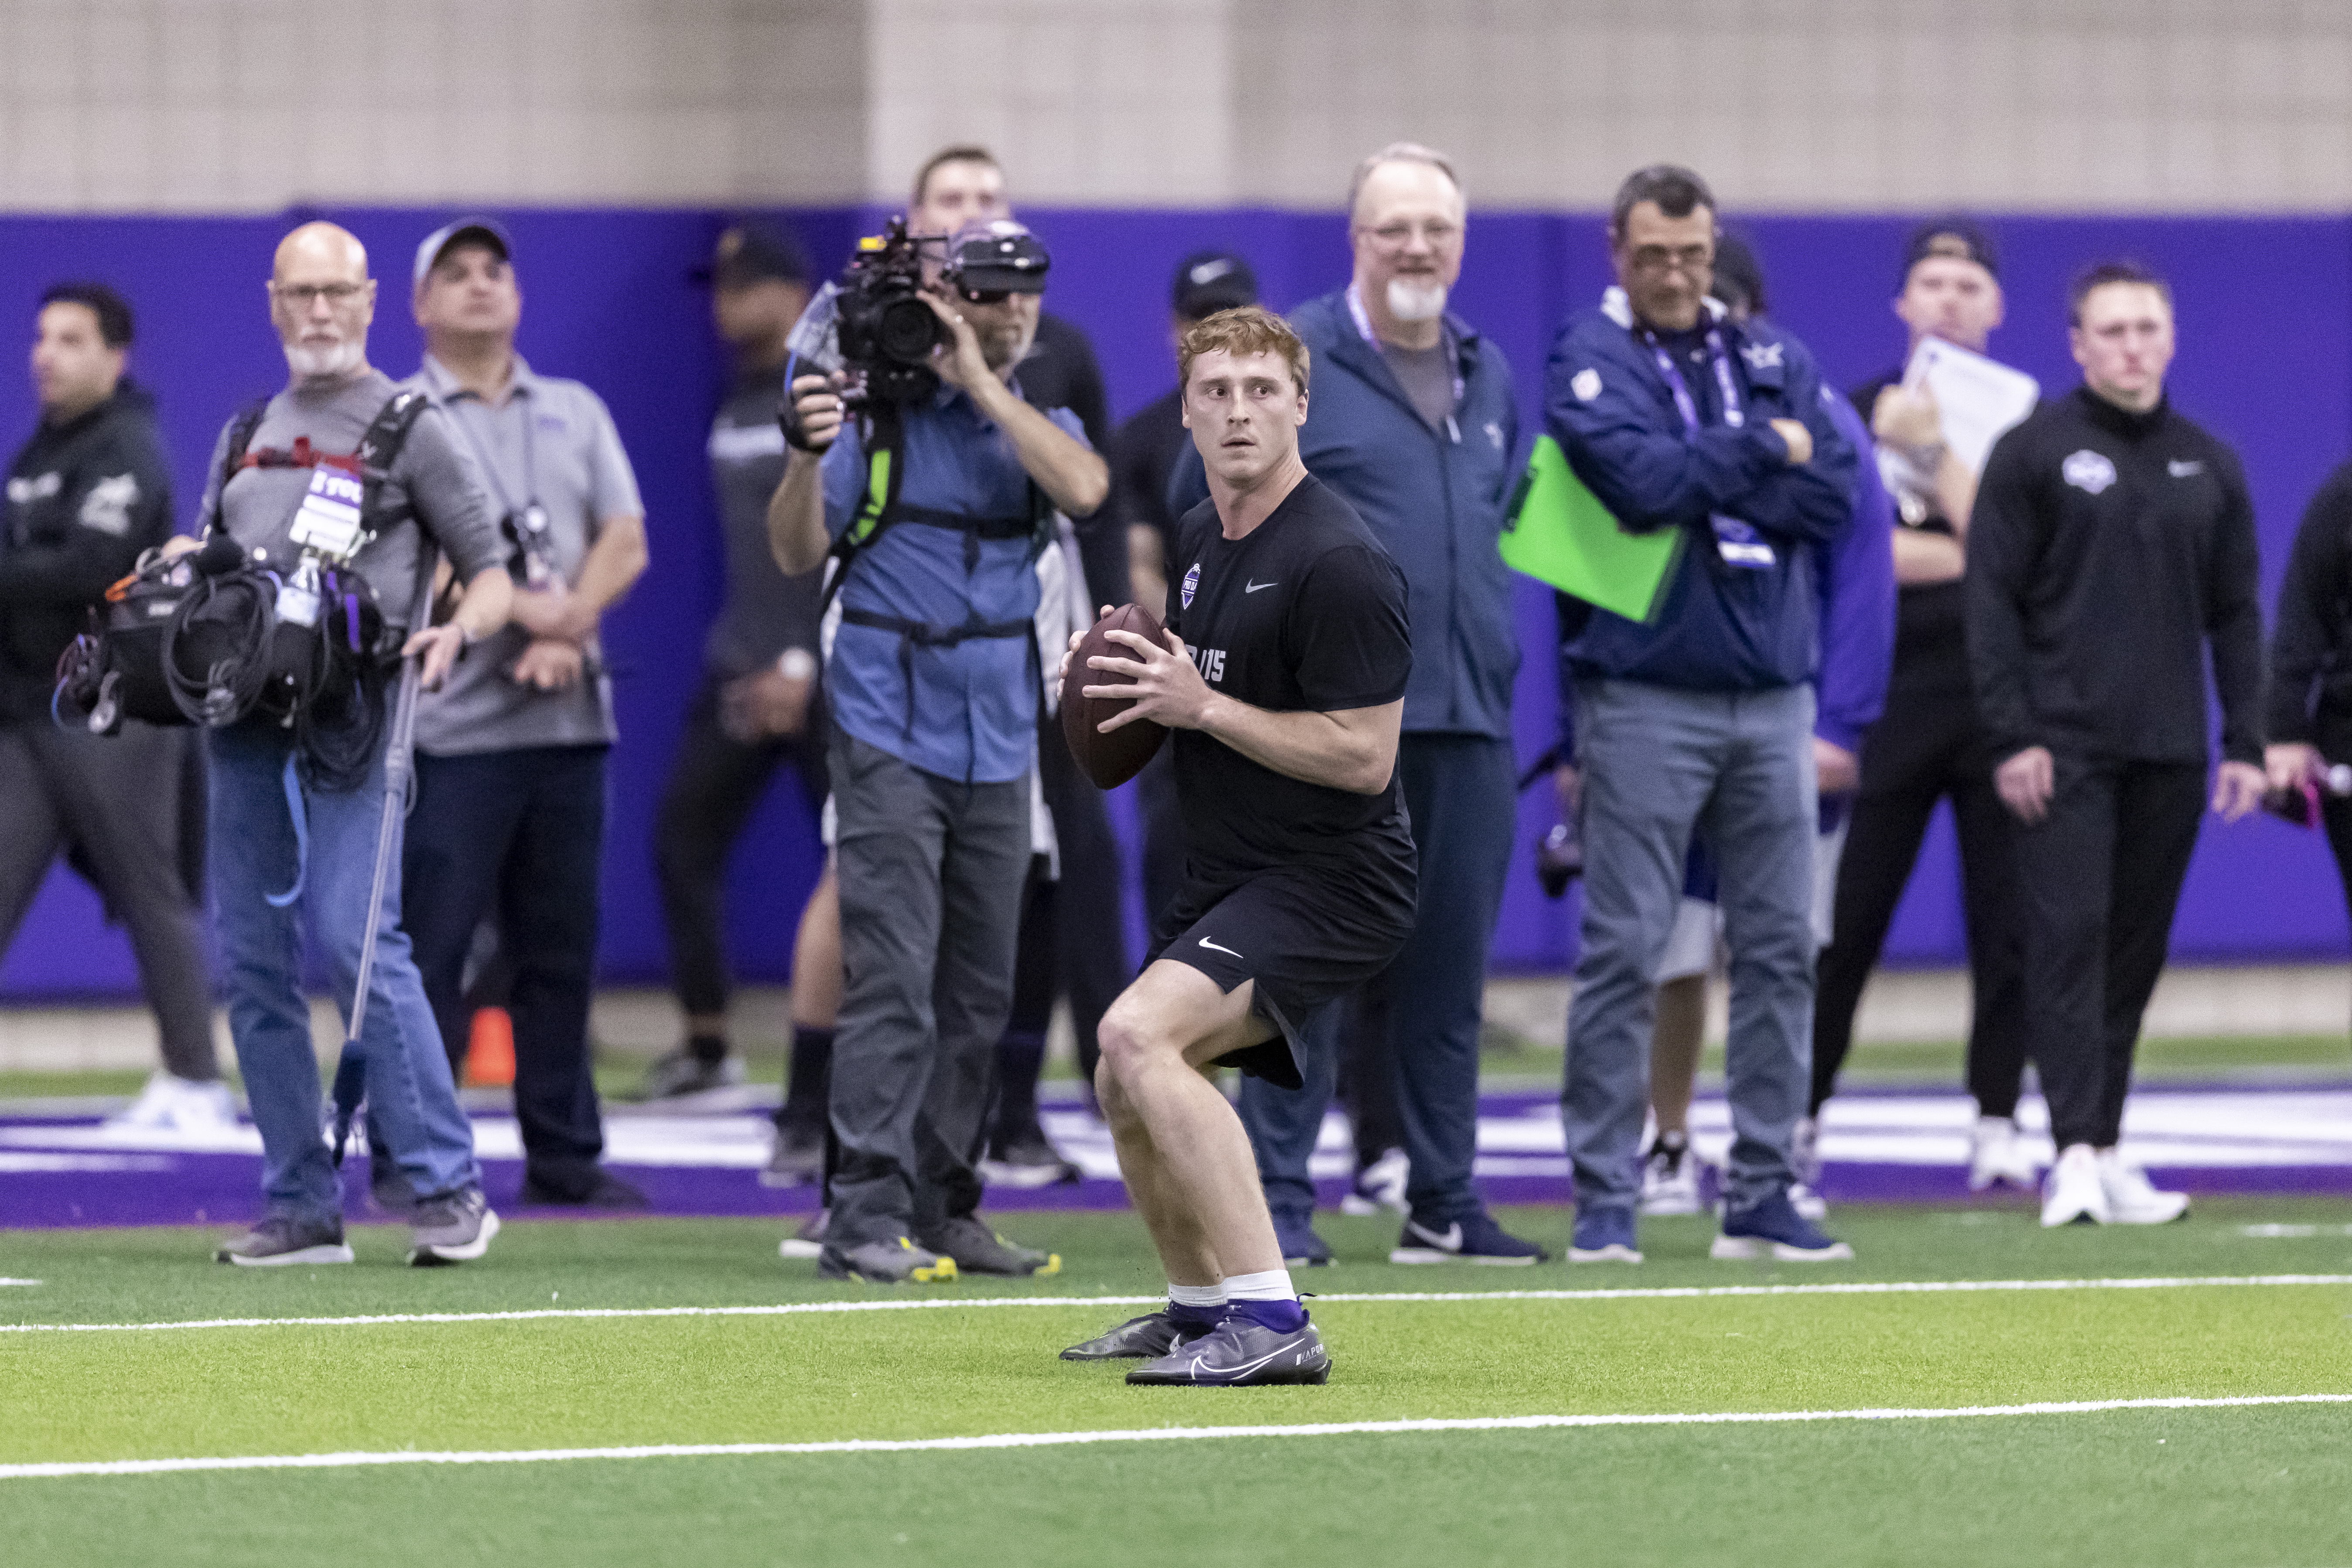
(1558, 532)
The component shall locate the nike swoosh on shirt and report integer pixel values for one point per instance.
(1213, 947)
(1253, 587)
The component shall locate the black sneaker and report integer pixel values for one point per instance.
(1027, 1162)
(976, 1249)
(1240, 1353)
(797, 1157)
(894, 1262)
(452, 1227)
(1146, 1338)
(1474, 1238)
(809, 1240)
(681, 1074)
(599, 1189)
(1301, 1247)
(282, 1242)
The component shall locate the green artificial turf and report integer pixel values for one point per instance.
(2254, 1485)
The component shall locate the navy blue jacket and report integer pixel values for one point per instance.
(1718, 628)
(1435, 499)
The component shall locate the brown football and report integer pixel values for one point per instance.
(1109, 760)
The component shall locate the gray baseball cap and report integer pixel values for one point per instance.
(483, 231)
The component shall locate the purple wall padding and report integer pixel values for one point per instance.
(2265, 308)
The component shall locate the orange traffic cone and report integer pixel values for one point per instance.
(489, 1049)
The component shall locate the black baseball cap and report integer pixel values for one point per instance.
(1963, 240)
(1208, 281)
(486, 232)
(998, 256)
(750, 253)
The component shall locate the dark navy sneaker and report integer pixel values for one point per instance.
(1301, 1247)
(1146, 1338)
(1241, 1354)
(1772, 1227)
(1474, 1238)
(1604, 1236)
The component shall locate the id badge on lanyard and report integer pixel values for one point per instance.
(1737, 544)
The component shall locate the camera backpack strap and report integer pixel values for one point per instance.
(883, 437)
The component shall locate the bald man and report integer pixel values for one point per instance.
(275, 825)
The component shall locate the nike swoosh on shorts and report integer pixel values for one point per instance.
(1213, 947)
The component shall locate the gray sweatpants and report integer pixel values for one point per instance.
(117, 799)
(931, 875)
(1658, 761)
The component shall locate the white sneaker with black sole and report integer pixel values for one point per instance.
(2132, 1198)
(2073, 1192)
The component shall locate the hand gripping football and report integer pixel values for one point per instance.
(1113, 759)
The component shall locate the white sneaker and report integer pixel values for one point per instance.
(1670, 1179)
(170, 1104)
(1809, 1203)
(2073, 1190)
(1380, 1186)
(2132, 1199)
(1996, 1154)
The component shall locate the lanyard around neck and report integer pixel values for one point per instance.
(1733, 414)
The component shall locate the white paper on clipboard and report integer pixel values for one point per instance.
(1978, 398)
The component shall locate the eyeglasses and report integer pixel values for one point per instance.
(1690, 260)
(1437, 234)
(302, 296)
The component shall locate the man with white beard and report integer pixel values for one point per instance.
(287, 828)
(1414, 423)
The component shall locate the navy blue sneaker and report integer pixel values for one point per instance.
(1604, 1236)
(1771, 1226)
(1474, 1238)
(1301, 1247)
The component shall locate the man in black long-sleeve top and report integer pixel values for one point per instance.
(2112, 541)
(2310, 705)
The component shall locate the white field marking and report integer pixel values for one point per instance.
(1151, 1435)
(950, 1303)
(2268, 1231)
(5, 1283)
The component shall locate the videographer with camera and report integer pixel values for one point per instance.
(299, 777)
(87, 496)
(920, 470)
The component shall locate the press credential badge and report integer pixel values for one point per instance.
(329, 521)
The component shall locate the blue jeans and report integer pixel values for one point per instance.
(1459, 791)
(1658, 762)
(252, 853)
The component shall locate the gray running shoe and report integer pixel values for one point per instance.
(455, 1228)
(979, 1250)
(682, 1073)
(809, 1240)
(894, 1262)
(1241, 1354)
(796, 1158)
(1146, 1338)
(281, 1241)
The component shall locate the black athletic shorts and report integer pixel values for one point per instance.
(1307, 938)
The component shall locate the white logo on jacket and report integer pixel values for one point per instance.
(1761, 356)
(2088, 472)
(108, 506)
(1585, 384)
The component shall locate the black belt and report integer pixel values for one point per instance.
(924, 634)
(973, 528)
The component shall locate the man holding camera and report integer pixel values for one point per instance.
(510, 813)
(88, 493)
(280, 836)
(933, 682)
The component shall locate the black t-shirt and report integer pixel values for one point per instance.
(1061, 372)
(1931, 655)
(1142, 455)
(1306, 614)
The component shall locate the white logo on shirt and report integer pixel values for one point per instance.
(108, 506)
(1761, 356)
(1191, 584)
(2088, 472)
(2182, 471)
(1585, 384)
(23, 490)
(1253, 587)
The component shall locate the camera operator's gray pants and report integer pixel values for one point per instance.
(931, 875)
(1656, 762)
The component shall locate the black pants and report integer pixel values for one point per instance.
(1926, 749)
(714, 784)
(520, 834)
(2101, 876)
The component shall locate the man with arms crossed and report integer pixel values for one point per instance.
(1299, 883)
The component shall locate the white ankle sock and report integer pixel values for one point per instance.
(1274, 1285)
(1196, 1295)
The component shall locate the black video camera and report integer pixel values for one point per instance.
(885, 331)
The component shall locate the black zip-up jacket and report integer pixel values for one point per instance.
(84, 499)
(2107, 550)
(2310, 647)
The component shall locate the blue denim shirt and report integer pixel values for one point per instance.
(974, 703)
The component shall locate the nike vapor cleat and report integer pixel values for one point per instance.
(1474, 1238)
(1670, 1177)
(1380, 1186)
(1301, 1247)
(2132, 1198)
(1771, 1227)
(1239, 1354)
(1146, 1338)
(1604, 1236)
(454, 1228)
(970, 1248)
(897, 1261)
(2073, 1192)
(1997, 1154)
(796, 1157)
(809, 1240)
(280, 1242)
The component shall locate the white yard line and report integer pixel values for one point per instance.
(5, 1283)
(1152, 1435)
(2270, 1232)
(952, 1303)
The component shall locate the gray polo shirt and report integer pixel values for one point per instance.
(550, 441)
(258, 507)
